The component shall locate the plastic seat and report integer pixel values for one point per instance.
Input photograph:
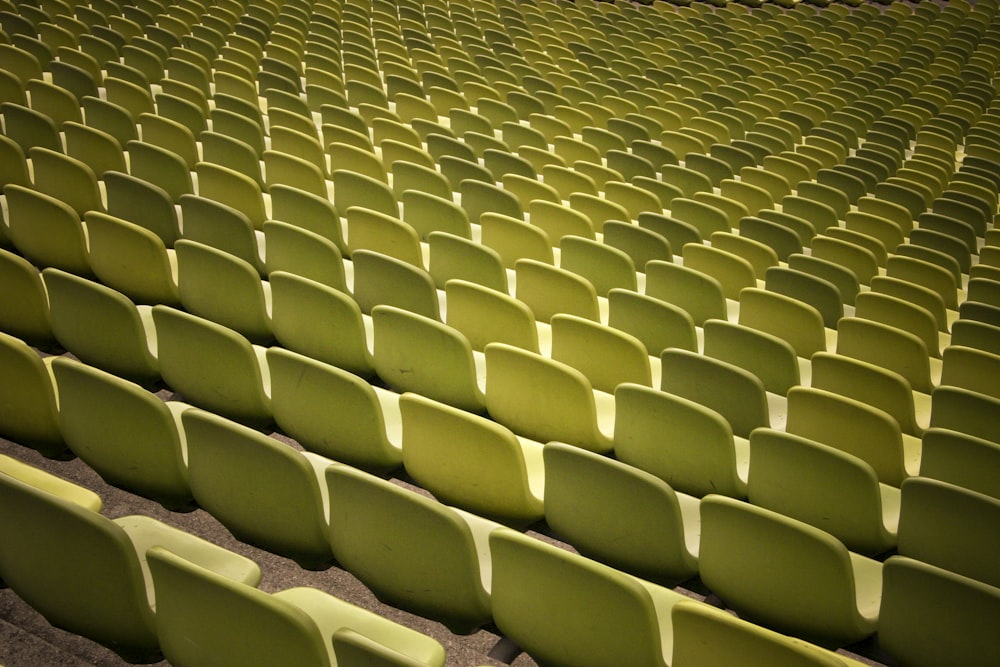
(305, 315)
(732, 271)
(709, 637)
(212, 366)
(440, 547)
(46, 231)
(816, 588)
(30, 409)
(24, 313)
(384, 234)
(970, 369)
(305, 625)
(83, 572)
(142, 203)
(383, 280)
(558, 221)
(29, 128)
(930, 616)
(796, 322)
(700, 456)
(305, 210)
(549, 290)
(423, 355)
(824, 487)
(233, 189)
(95, 148)
(224, 289)
(965, 411)
(99, 415)
(583, 344)
(544, 399)
(699, 294)
(472, 462)
(297, 250)
(864, 431)
(102, 327)
(428, 213)
(230, 465)
(889, 347)
(733, 392)
(949, 527)
(589, 498)
(513, 239)
(160, 167)
(544, 595)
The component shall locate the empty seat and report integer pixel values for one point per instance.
(544, 399)
(824, 487)
(46, 231)
(932, 617)
(785, 574)
(264, 491)
(25, 311)
(620, 515)
(83, 572)
(410, 550)
(471, 462)
(28, 407)
(566, 609)
(688, 445)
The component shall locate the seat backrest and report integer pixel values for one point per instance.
(101, 326)
(686, 444)
(383, 280)
(434, 567)
(796, 322)
(733, 392)
(605, 267)
(202, 615)
(705, 636)
(371, 230)
(541, 398)
(222, 227)
(965, 411)
(807, 573)
(264, 491)
(886, 346)
(513, 239)
(549, 290)
(213, 366)
(699, 294)
(925, 609)
(822, 486)
(420, 354)
(427, 213)
(768, 357)
(28, 408)
(972, 369)
(901, 314)
(233, 189)
(960, 459)
(950, 527)
(470, 461)
(487, 315)
(76, 567)
(657, 324)
(876, 386)
(851, 426)
(142, 203)
(606, 356)
(24, 313)
(617, 514)
(306, 210)
(297, 250)
(304, 312)
(223, 288)
(563, 608)
(99, 415)
(45, 230)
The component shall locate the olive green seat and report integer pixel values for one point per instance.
(84, 572)
(423, 355)
(824, 487)
(100, 415)
(965, 411)
(46, 231)
(705, 636)
(857, 428)
(605, 355)
(265, 492)
(620, 515)
(471, 461)
(931, 617)
(688, 445)
(565, 609)
(960, 459)
(486, 315)
(102, 327)
(24, 312)
(203, 617)
(410, 550)
(212, 366)
(544, 399)
(29, 412)
(787, 575)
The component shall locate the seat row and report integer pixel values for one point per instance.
(465, 586)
